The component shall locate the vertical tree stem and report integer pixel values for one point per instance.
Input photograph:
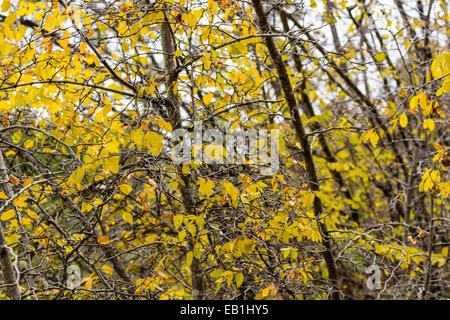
(6, 253)
(175, 119)
(303, 139)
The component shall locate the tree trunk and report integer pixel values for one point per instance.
(303, 139)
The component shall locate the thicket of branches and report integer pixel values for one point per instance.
(93, 207)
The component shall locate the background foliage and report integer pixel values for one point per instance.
(91, 91)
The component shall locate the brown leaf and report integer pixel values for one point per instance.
(178, 18)
(15, 181)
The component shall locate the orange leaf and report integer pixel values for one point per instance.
(103, 239)
(90, 33)
(5, 121)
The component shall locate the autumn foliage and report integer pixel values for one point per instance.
(92, 205)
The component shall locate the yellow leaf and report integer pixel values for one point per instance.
(441, 65)
(403, 93)
(235, 124)
(174, 185)
(8, 215)
(64, 42)
(32, 214)
(77, 176)
(189, 258)
(206, 62)
(3, 196)
(154, 142)
(20, 202)
(207, 98)
(112, 163)
(178, 53)
(182, 235)
(26, 221)
(192, 229)
(265, 291)
(50, 20)
(403, 120)
(206, 187)
(27, 182)
(232, 191)
(428, 184)
(77, 236)
(429, 124)
(305, 277)
(239, 278)
(107, 269)
(444, 89)
(28, 144)
(445, 189)
(125, 188)
(380, 56)
(374, 138)
(5, 5)
(87, 283)
(97, 202)
(197, 252)
(164, 125)
(365, 136)
(214, 152)
(99, 116)
(216, 273)
(177, 220)
(127, 217)
(200, 221)
(107, 109)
